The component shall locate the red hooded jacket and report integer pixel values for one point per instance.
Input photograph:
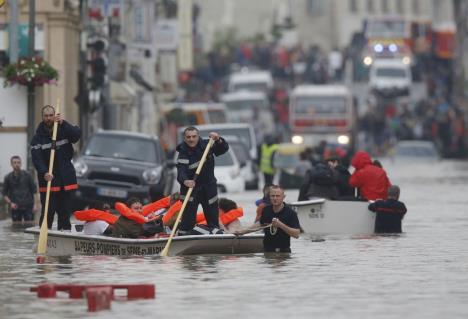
(371, 180)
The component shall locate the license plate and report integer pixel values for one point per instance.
(112, 192)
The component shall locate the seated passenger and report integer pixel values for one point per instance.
(97, 221)
(132, 223)
(371, 180)
(389, 212)
(229, 214)
(320, 181)
(261, 203)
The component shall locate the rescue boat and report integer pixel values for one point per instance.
(61, 243)
(321, 216)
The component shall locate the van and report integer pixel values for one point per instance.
(390, 77)
(250, 107)
(198, 113)
(261, 81)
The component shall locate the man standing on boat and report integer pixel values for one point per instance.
(63, 176)
(205, 189)
(282, 221)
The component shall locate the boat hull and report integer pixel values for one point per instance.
(323, 217)
(74, 243)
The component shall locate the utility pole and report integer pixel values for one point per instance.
(31, 91)
(460, 10)
(13, 31)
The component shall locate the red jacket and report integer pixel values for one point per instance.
(371, 180)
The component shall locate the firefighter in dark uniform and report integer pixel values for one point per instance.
(63, 176)
(205, 190)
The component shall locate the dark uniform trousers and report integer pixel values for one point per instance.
(207, 196)
(60, 203)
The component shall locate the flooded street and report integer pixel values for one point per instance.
(420, 274)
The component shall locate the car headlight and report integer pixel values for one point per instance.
(367, 60)
(152, 175)
(297, 139)
(343, 139)
(80, 167)
(406, 60)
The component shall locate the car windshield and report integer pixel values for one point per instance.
(242, 133)
(417, 151)
(122, 147)
(286, 160)
(224, 160)
(240, 105)
(316, 105)
(391, 72)
(240, 150)
(251, 86)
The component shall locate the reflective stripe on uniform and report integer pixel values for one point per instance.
(183, 197)
(182, 161)
(49, 145)
(212, 200)
(194, 165)
(58, 188)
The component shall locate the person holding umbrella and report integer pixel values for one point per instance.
(205, 190)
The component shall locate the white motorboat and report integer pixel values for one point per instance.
(60, 243)
(330, 217)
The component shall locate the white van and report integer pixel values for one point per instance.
(390, 77)
(251, 81)
(250, 107)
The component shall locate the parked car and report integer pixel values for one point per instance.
(249, 167)
(228, 173)
(390, 77)
(416, 151)
(117, 165)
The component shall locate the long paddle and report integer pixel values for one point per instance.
(165, 251)
(42, 244)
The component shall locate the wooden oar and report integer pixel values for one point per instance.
(187, 197)
(42, 243)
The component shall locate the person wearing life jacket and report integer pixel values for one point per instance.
(132, 223)
(98, 221)
(229, 214)
(262, 202)
(63, 177)
(372, 181)
(167, 208)
(267, 153)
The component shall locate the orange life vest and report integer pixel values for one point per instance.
(173, 210)
(125, 211)
(225, 218)
(91, 215)
(157, 205)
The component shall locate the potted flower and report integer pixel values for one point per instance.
(30, 71)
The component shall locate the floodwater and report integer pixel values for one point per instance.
(421, 274)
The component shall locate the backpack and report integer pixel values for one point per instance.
(322, 175)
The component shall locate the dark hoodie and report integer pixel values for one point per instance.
(371, 180)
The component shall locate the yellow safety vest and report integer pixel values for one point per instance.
(266, 165)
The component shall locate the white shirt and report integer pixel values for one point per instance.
(95, 228)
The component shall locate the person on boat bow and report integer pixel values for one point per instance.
(205, 189)
(282, 221)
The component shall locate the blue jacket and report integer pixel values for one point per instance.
(189, 158)
(63, 171)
